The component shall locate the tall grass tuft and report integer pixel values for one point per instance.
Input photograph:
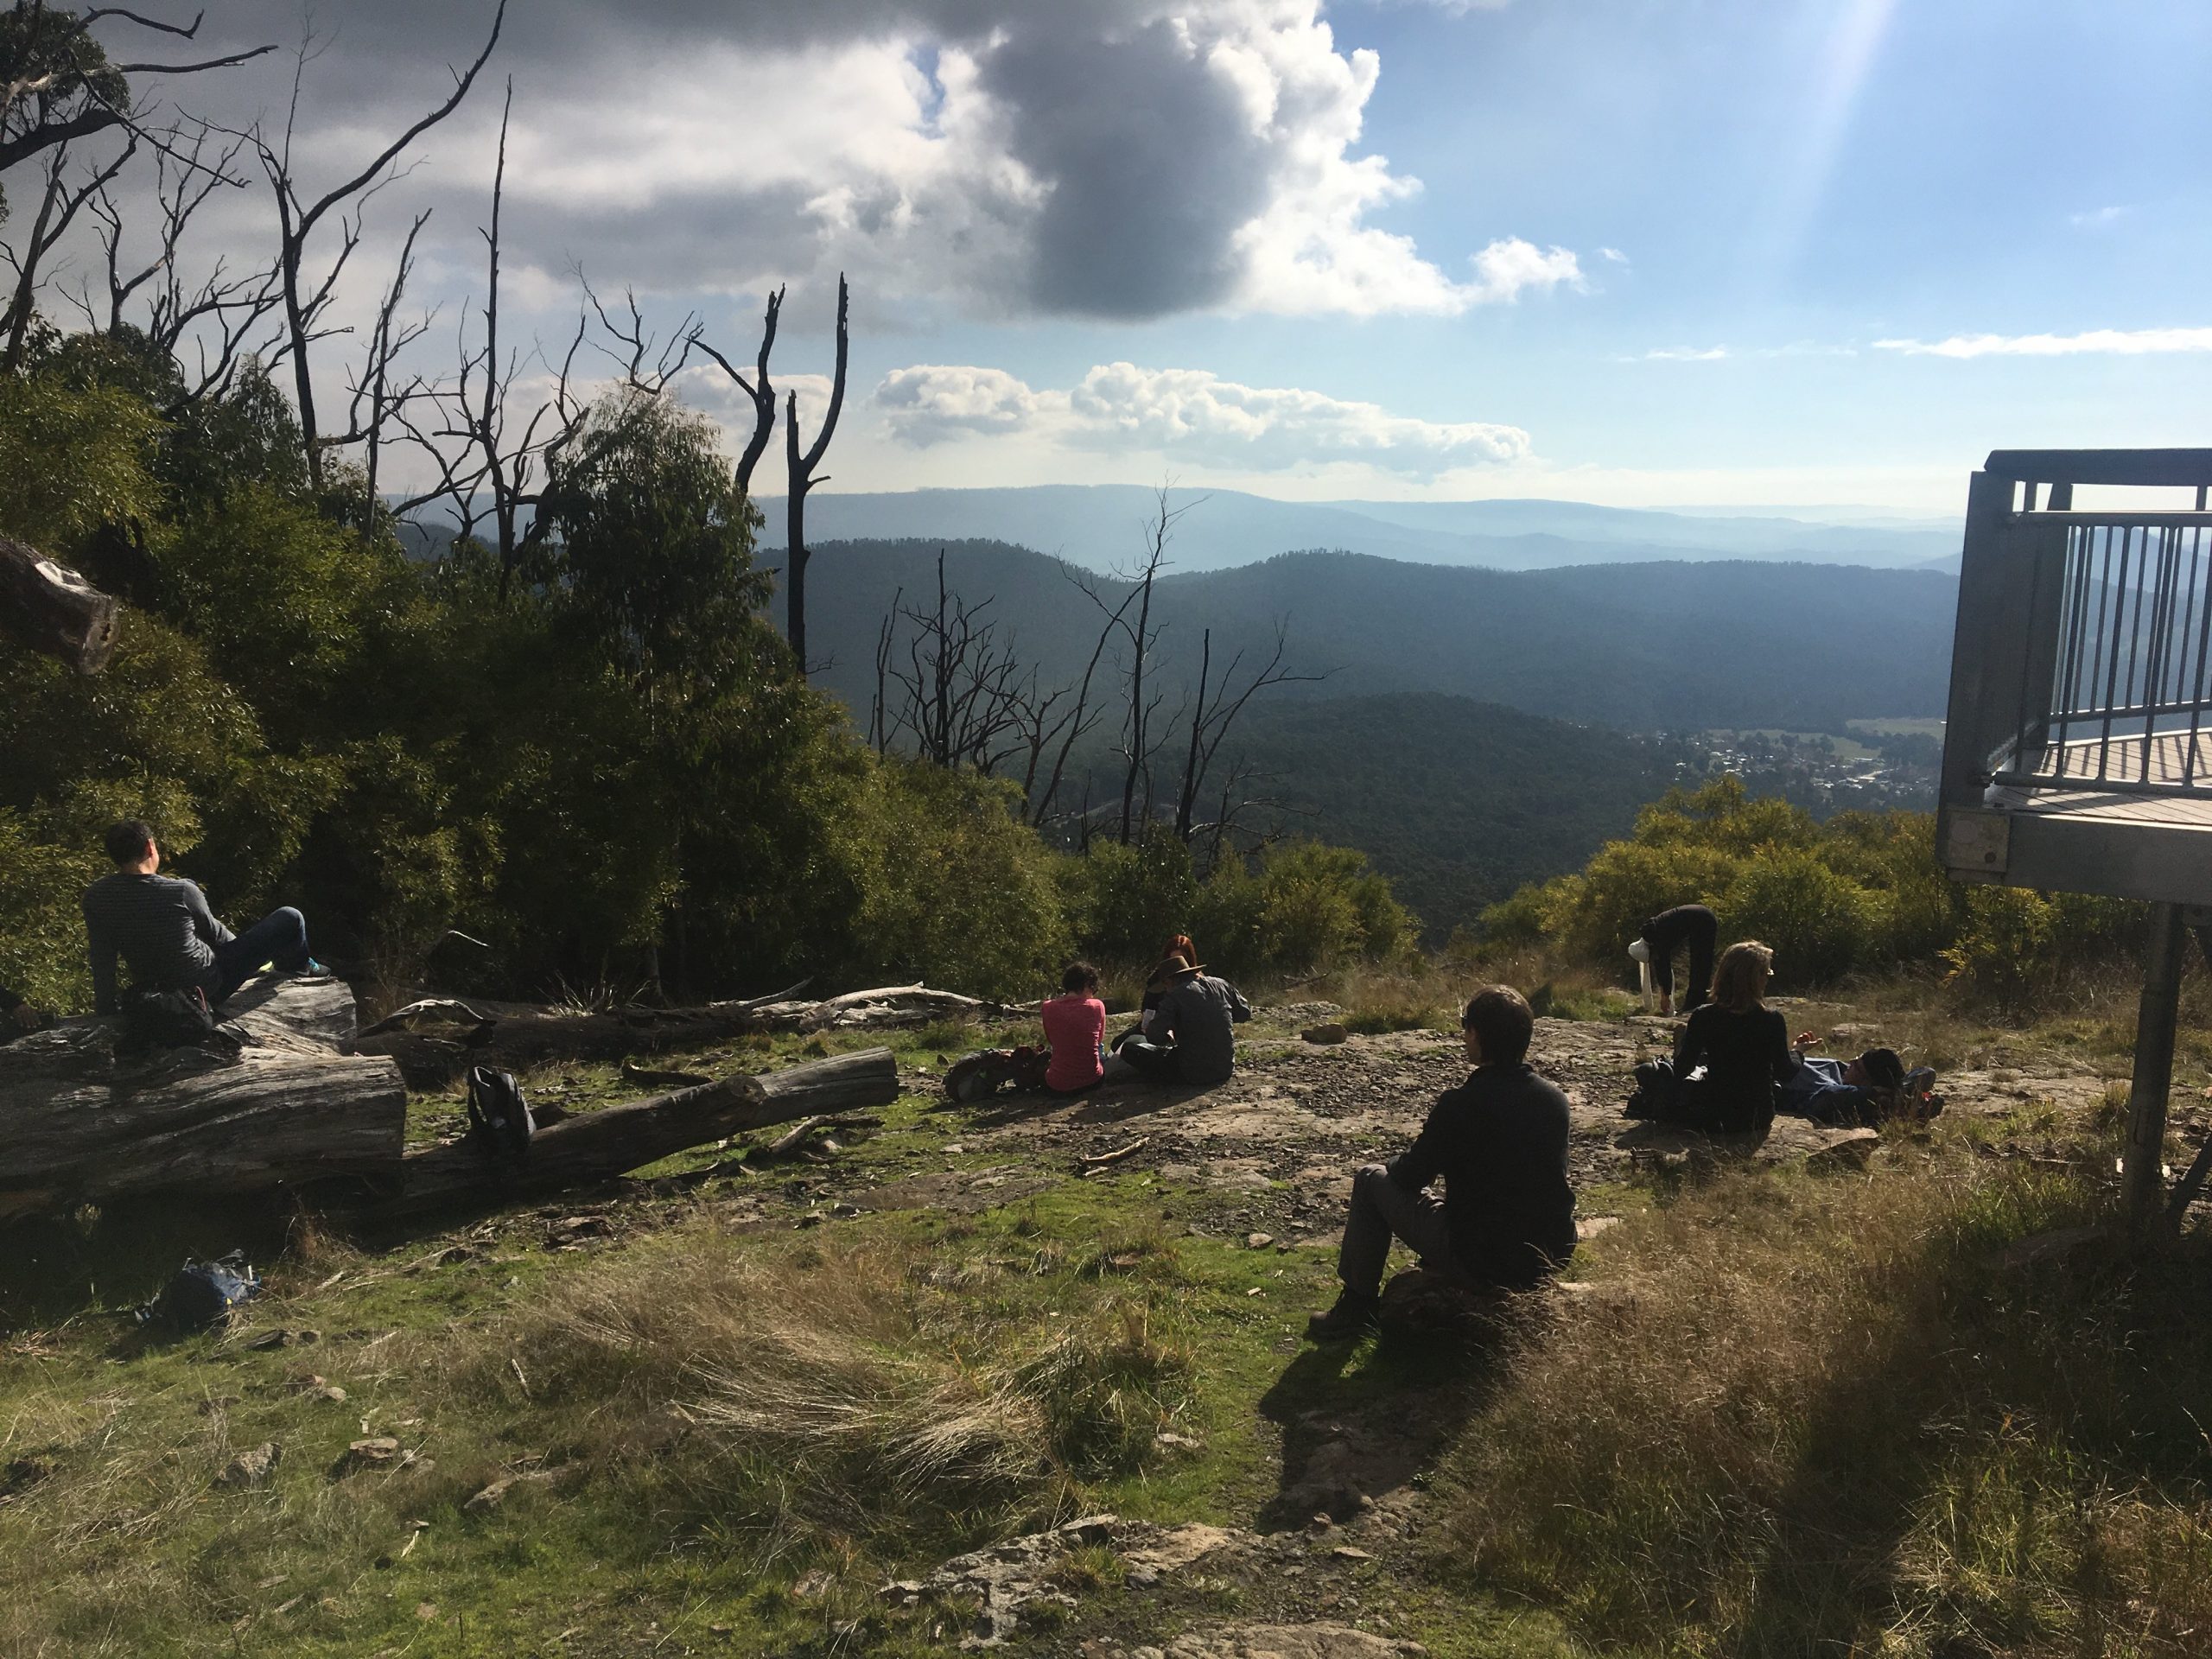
(1827, 1416)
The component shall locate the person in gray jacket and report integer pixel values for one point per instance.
(161, 927)
(1192, 1037)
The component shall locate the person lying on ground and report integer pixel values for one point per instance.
(161, 928)
(1667, 934)
(1742, 1046)
(1862, 1092)
(1178, 948)
(1506, 1219)
(1075, 1028)
(1193, 1036)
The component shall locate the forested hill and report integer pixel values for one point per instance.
(1458, 802)
(1656, 646)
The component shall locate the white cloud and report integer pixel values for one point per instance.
(1189, 413)
(2097, 219)
(1612, 256)
(2122, 343)
(1114, 158)
(1511, 267)
(1683, 354)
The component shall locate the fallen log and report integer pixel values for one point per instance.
(436, 1039)
(593, 1146)
(48, 607)
(86, 1125)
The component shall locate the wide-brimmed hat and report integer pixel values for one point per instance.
(1172, 967)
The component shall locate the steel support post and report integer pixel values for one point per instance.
(2142, 1181)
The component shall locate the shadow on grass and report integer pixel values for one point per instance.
(1962, 1468)
(106, 1261)
(1364, 1421)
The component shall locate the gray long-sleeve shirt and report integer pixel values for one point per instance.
(159, 925)
(1201, 1015)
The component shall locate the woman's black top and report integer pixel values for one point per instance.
(1744, 1055)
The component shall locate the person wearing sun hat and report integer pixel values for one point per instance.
(1192, 1036)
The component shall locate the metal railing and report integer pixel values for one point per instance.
(2115, 685)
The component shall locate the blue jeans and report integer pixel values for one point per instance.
(281, 937)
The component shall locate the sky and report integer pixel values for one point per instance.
(1643, 252)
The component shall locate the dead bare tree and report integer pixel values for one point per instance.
(1136, 740)
(57, 84)
(298, 219)
(1081, 717)
(485, 471)
(963, 684)
(801, 470)
(59, 204)
(762, 394)
(1214, 712)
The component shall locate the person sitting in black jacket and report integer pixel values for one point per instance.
(1742, 1046)
(1499, 1141)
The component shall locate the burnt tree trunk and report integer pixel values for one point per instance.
(594, 1145)
(50, 608)
(84, 1125)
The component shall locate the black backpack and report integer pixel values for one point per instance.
(500, 1123)
(154, 1019)
(202, 1295)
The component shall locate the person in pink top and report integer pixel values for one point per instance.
(1075, 1026)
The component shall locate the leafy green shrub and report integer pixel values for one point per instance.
(1819, 923)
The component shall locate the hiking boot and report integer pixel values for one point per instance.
(1353, 1316)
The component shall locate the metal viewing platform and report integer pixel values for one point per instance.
(2077, 752)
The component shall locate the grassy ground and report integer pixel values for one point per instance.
(1791, 1414)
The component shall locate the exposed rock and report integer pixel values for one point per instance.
(1258, 1241)
(375, 1452)
(1286, 1642)
(1008, 1578)
(1328, 1034)
(1848, 1147)
(1177, 1549)
(1588, 1227)
(253, 1468)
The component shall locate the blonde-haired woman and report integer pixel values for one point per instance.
(1742, 1044)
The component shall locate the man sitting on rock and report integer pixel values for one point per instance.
(162, 927)
(1192, 1036)
(1499, 1141)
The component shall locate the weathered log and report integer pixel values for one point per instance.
(49, 607)
(437, 1039)
(82, 1124)
(592, 1146)
(514, 1038)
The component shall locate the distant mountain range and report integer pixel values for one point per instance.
(1644, 646)
(1101, 527)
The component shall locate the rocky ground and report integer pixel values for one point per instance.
(1266, 1160)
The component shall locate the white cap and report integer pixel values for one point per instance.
(1640, 950)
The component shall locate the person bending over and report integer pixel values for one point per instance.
(1662, 936)
(1742, 1046)
(1499, 1141)
(161, 927)
(1193, 1034)
(1075, 1026)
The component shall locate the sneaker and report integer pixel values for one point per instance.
(1353, 1316)
(314, 970)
